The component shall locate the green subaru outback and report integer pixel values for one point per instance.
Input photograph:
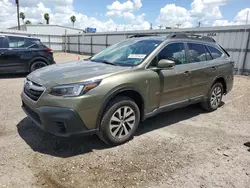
(110, 93)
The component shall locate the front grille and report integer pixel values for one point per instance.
(32, 113)
(33, 90)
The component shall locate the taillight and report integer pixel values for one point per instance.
(48, 50)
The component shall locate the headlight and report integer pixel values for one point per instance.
(73, 90)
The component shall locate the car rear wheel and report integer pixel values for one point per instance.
(120, 121)
(214, 98)
(37, 65)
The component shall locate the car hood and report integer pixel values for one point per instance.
(73, 72)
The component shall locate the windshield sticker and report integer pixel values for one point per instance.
(137, 56)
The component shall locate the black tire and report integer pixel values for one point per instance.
(105, 132)
(37, 65)
(207, 105)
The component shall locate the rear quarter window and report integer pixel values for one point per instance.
(215, 52)
(40, 44)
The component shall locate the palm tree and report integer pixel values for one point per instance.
(22, 16)
(46, 17)
(28, 22)
(73, 19)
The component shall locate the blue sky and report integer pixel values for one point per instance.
(111, 15)
(151, 7)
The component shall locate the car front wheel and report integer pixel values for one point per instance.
(120, 121)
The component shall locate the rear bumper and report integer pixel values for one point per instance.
(57, 121)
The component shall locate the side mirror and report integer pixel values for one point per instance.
(165, 63)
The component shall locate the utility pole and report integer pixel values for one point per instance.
(151, 26)
(18, 19)
(199, 24)
(247, 17)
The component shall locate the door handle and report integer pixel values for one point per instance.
(187, 73)
(213, 68)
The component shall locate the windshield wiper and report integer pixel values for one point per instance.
(104, 61)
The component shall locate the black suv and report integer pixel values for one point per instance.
(20, 54)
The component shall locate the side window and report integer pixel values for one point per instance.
(16, 42)
(197, 52)
(215, 52)
(208, 55)
(174, 51)
(1, 42)
(29, 43)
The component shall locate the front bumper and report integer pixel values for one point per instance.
(56, 120)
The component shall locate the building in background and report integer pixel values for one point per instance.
(48, 29)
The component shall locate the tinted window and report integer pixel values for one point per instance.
(1, 42)
(197, 52)
(175, 52)
(16, 42)
(215, 52)
(208, 55)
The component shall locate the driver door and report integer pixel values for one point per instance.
(176, 80)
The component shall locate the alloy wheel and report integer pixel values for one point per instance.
(216, 97)
(122, 122)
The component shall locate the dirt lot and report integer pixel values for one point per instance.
(182, 148)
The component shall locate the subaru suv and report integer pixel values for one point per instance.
(112, 92)
(21, 54)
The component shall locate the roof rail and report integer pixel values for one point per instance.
(191, 36)
(142, 35)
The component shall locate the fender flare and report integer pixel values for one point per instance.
(111, 95)
(38, 59)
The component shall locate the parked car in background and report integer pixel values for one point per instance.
(20, 54)
(113, 91)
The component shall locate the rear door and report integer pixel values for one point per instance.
(219, 65)
(198, 58)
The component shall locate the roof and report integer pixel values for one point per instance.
(46, 25)
(175, 36)
(14, 35)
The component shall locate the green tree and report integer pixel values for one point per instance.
(22, 16)
(73, 19)
(46, 17)
(28, 22)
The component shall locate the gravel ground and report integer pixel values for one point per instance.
(182, 148)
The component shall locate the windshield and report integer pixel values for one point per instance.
(127, 53)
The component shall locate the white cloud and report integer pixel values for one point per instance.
(127, 10)
(171, 15)
(138, 4)
(204, 11)
(222, 23)
(239, 19)
(60, 13)
(215, 2)
(7, 14)
(122, 7)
